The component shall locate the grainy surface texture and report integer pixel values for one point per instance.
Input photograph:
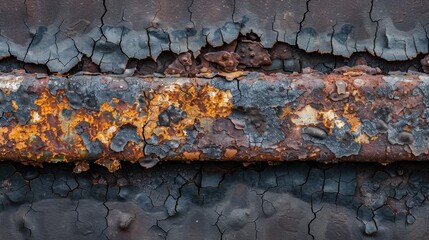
(59, 34)
(348, 115)
(216, 201)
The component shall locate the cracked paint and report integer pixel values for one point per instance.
(112, 33)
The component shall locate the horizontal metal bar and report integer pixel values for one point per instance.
(346, 116)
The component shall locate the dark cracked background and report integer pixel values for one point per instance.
(61, 34)
(216, 201)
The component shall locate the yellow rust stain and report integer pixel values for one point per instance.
(353, 121)
(14, 105)
(329, 119)
(362, 139)
(339, 123)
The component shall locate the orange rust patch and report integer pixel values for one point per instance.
(58, 133)
(191, 155)
(60, 141)
(230, 153)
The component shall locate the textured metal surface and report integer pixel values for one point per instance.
(348, 116)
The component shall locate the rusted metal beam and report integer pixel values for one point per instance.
(346, 116)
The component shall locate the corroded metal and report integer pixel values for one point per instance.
(347, 116)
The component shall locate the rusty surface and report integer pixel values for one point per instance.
(211, 64)
(182, 66)
(253, 54)
(109, 119)
(226, 61)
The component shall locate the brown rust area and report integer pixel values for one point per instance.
(182, 66)
(253, 54)
(264, 118)
(226, 61)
